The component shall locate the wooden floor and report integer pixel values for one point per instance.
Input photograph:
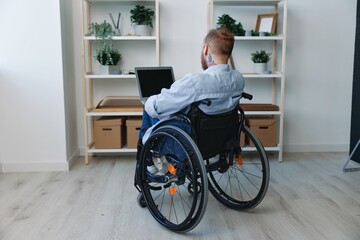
(309, 197)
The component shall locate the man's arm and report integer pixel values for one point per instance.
(169, 101)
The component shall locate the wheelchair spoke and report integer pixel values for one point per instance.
(182, 202)
(162, 199)
(178, 202)
(177, 199)
(242, 180)
(247, 173)
(243, 188)
(238, 183)
(173, 206)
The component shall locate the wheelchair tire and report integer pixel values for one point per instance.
(243, 185)
(170, 202)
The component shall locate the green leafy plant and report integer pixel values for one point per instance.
(260, 57)
(108, 56)
(228, 22)
(255, 33)
(103, 33)
(141, 15)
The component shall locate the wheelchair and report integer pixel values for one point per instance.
(208, 158)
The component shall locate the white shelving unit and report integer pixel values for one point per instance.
(97, 11)
(278, 44)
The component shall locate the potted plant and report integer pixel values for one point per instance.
(260, 60)
(142, 18)
(107, 56)
(257, 34)
(102, 31)
(228, 22)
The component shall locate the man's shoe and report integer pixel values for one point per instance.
(152, 169)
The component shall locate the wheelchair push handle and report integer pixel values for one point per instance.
(246, 96)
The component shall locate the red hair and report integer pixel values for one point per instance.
(220, 41)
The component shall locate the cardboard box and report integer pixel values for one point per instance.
(264, 129)
(133, 129)
(109, 133)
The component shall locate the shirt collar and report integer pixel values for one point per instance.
(218, 67)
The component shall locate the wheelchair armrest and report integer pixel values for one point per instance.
(247, 96)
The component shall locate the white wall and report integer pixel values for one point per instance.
(32, 130)
(69, 29)
(319, 65)
(319, 75)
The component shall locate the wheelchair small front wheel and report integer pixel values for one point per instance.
(141, 200)
(166, 192)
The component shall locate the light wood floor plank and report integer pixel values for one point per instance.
(309, 197)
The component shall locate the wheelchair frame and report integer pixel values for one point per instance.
(237, 180)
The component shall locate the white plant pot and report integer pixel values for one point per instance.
(260, 68)
(109, 69)
(142, 30)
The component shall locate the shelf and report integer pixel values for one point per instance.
(132, 76)
(267, 149)
(120, 150)
(99, 114)
(276, 79)
(262, 113)
(256, 38)
(133, 150)
(92, 11)
(255, 75)
(124, 38)
(247, 2)
(121, 1)
(247, 113)
(118, 76)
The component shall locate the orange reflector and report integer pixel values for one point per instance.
(172, 190)
(239, 160)
(171, 169)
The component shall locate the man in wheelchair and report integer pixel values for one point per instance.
(219, 87)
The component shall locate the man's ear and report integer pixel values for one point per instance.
(206, 49)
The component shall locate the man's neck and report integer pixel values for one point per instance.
(221, 60)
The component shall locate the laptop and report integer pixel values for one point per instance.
(150, 80)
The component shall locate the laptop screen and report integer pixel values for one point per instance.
(152, 79)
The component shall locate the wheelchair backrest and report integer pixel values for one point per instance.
(215, 134)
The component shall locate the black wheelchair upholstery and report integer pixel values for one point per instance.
(215, 134)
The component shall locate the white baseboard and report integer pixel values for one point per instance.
(65, 166)
(299, 148)
(317, 148)
(40, 166)
(35, 167)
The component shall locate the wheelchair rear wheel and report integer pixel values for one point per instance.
(243, 184)
(177, 194)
